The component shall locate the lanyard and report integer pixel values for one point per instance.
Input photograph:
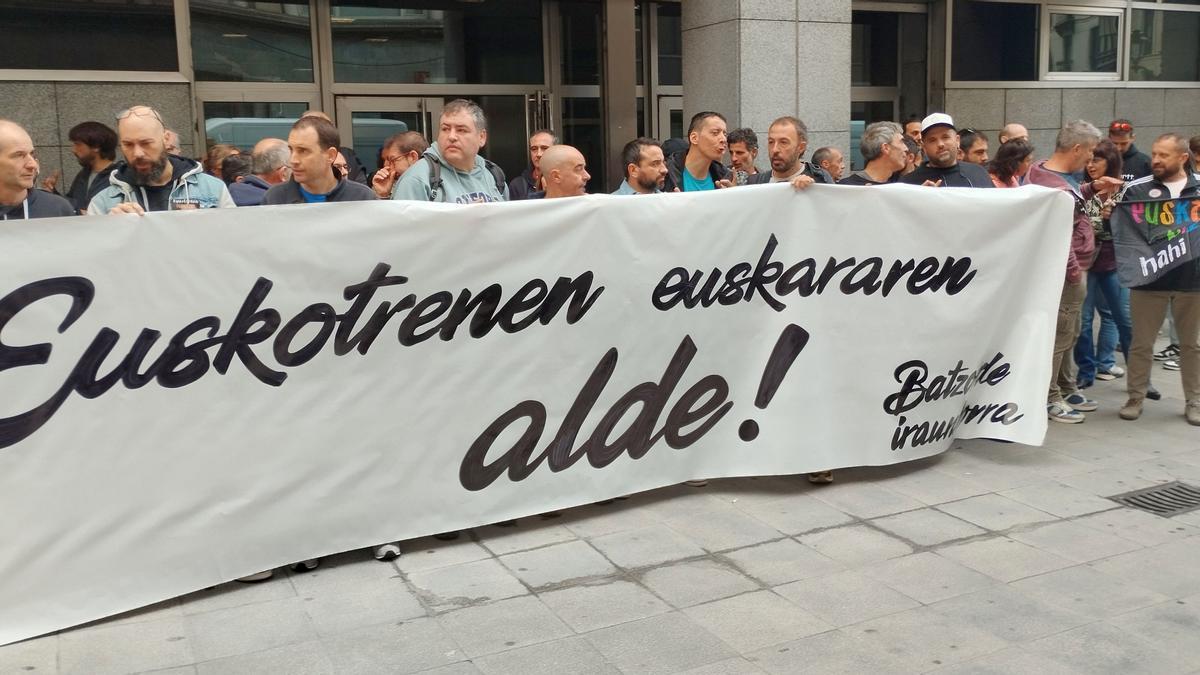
(25, 205)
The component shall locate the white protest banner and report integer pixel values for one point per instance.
(191, 397)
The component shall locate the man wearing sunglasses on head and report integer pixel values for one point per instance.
(1134, 163)
(939, 140)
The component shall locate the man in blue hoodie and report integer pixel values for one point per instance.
(268, 167)
(150, 179)
(451, 170)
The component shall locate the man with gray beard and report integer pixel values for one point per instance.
(151, 179)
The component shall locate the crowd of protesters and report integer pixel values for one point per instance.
(310, 166)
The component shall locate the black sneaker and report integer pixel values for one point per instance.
(1169, 352)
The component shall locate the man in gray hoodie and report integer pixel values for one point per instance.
(451, 170)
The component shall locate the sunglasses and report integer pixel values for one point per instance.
(1123, 127)
(966, 130)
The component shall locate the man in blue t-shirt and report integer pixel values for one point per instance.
(700, 167)
(313, 143)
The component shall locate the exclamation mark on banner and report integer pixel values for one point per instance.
(791, 342)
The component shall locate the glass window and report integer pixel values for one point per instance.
(639, 58)
(1164, 46)
(237, 41)
(582, 128)
(437, 42)
(371, 129)
(89, 35)
(863, 113)
(1084, 43)
(994, 41)
(580, 42)
(507, 141)
(243, 124)
(670, 45)
(874, 47)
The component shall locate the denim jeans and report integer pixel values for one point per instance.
(1105, 295)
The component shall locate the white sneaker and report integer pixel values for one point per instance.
(1061, 412)
(306, 565)
(387, 552)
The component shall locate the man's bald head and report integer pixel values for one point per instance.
(1013, 131)
(18, 164)
(317, 113)
(143, 137)
(269, 158)
(12, 134)
(564, 171)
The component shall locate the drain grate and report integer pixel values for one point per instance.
(1166, 500)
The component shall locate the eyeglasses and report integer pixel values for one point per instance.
(392, 160)
(1123, 127)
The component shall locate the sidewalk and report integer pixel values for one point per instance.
(991, 558)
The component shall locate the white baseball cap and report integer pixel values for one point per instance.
(936, 120)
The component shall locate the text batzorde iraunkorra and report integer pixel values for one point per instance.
(200, 347)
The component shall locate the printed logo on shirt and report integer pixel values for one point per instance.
(475, 198)
(185, 204)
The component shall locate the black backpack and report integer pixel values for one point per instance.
(435, 176)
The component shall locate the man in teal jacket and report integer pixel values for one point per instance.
(451, 170)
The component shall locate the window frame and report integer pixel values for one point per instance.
(1045, 74)
(1071, 80)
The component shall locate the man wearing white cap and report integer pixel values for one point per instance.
(939, 140)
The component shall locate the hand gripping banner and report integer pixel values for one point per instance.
(192, 397)
(1154, 237)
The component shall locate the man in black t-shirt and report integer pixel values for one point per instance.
(939, 140)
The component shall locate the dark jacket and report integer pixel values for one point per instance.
(962, 174)
(80, 195)
(811, 170)
(41, 204)
(1134, 164)
(358, 172)
(676, 165)
(1185, 277)
(250, 191)
(346, 191)
(861, 178)
(1083, 238)
(521, 187)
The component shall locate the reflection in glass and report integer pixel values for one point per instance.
(371, 129)
(863, 113)
(507, 135)
(1081, 43)
(874, 48)
(1164, 46)
(243, 123)
(583, 128)
(670, 45)
(88, 35)
(236, 41)
(580, 42)
(994, 41)
(437, 42)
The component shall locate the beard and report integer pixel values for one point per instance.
(152, 175)
(648, 183)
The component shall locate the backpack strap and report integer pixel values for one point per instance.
(497, 175)
(435, 176)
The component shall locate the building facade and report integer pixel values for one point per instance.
(598, 72)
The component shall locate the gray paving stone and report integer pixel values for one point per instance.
(928, 577)
(529, 533)
(558, 563)
(36, 656)
(569, 655)
(661, 644)
(1101, 452)
(754, 621)
(865, 500)
(587, 608)
(125, 648)
(160, 610)
(1169, 569)
(1011, 661)
(466, 584)
(597, 520)
(249, 628)
(503, 625)
(923, 639)
(1173, 627)
(796, 514)
(350, 571)
(855, 545)
(393, 647)
(1003, 558)
(1086, 591)
(828, 653)
(1008, 613)
(723, 530)
(691, 583)
(646, 546)
(846, 598)
(994, 512)
(932, 486)
(1102, 648)
(734, 666)
(1075, 542)
(237, 594)
(779, 562)
(1058, 499)
(1138, 526)
(1107, 482)
(460, 668)
(427, 553)
(181, 670)
(927, 527)
(308, 658)
(339, 611)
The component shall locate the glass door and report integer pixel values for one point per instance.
(365, 122)
(670, 117)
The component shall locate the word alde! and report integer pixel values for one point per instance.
(770, 280)
(186, 358)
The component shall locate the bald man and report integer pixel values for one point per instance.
(268, 166)
(1012, 131)
(18, 171)
(564, 171)
(151, 179)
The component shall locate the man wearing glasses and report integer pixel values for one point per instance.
(1134, 163)
(151, 179)
(400, 151)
